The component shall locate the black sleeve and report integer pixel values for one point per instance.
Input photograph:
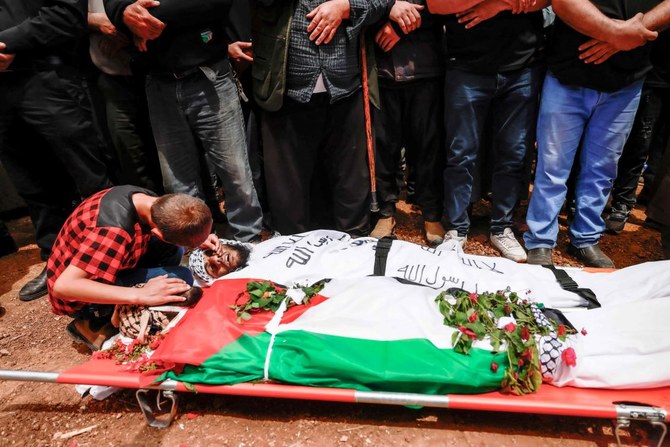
(181, 14)
(114, 10)
(63, 21)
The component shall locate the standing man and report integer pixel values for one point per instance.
(307, 80)
(42, 97)
(125, 105)
(493, 69)
(410, 67)
(193, 100)
(590, 107)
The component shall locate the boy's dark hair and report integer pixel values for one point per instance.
(182, 219)
(243, 251)
(192, 296)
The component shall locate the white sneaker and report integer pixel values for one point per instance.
(452, 235)
(508, 246)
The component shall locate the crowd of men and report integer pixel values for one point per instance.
(265, 101)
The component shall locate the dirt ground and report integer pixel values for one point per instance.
(39, 414)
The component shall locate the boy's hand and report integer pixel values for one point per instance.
(162, 290)
(211, 243)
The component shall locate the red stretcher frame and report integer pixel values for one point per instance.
(651, 405)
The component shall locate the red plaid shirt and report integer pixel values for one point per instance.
(100, 249)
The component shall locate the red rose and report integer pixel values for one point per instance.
(510, 327)
(494, 367)
(520, 362)
(467, 331)
(561, 330)
(569, 357)
(507, 309)
(472, 318)
(525, 333)
(584, 331)
(527, 354)
(473, 298)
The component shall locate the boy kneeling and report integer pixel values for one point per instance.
(115, 239)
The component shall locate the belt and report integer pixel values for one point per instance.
(219, 67)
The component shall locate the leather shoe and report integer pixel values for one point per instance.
(35, 288)
(91, 333)
(540, 256)
(591, 256)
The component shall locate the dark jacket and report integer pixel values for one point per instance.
(418, 55)
(42, 33)
(271, 32)
(194, 34)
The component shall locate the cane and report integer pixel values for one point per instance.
(374, 206)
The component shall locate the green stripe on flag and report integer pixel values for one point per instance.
(240, 361)
(304, 358)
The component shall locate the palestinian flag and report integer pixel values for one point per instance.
(372, 334)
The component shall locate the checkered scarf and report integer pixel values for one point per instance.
(130, 320)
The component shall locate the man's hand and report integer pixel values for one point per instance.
(240, 51)
(520, 6)
(631, 34)
(596, 52)
(5, 59)
(142, 24)
(98, 21)
(325, 19)
(386, 37)
(162, 290)
(406, 15)
(481, 12)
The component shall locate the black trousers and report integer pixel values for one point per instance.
(306, 145)
(49, 146)
(645, 144)
(127, 118)
(410, 117)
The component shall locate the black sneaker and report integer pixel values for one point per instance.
(617, 219)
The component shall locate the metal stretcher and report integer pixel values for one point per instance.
(622, 406)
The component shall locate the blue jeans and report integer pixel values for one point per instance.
(195, 112)
(510, 99)
(570, 118)
(130, 278)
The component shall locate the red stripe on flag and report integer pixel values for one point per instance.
(214, 324)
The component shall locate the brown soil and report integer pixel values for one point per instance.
(37, 414)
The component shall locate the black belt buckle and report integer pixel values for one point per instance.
(185, 74)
